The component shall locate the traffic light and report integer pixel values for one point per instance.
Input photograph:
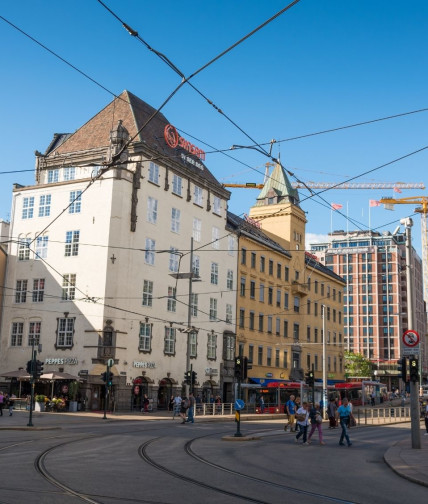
(402, 368)
(30, 367)
(39, 369)
(238, 367)
(104, 376)
(414, 370)
(309, 378)
(109, 376)
(194, 375)
(187, 377)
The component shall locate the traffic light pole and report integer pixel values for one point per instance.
(33, 369)
(106, 392)
(238, 412)
(414, 385)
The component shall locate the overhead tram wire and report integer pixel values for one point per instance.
(185, 80)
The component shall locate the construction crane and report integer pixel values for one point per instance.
(423, 210)
(397, 186)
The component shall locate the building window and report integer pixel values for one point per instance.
(316, 362)
(152, 210)
(261, 322)
(308, 333)
(38, 290)
(149, 253)
(214, 273)
(252, 289)
(315, 335)
(171, 302)
(173, 259)
(213, 309)
(69, 173)
(176, 184)
(262, 293)
(241, 318)
(21, 291)
(154, 173)
(212, 346)
(195, 265)
(285, 328)
(251, 321)
(175, 220)
(217, 205)
(250, 353)
(34, 331)
(308, 306)
(24, 249)
(145, 337)
(286, 300)
(278, 298)
(72, 243)
(260, 356)
(285, 364)
(262, 264)
(286, 273)
(229, 281)
(296, 304)
(296, 332)
(243, 256)
(231, 245)
(242, 287)
(65, 332)
(215, 237)
(68, 286)
(16, 334)
(278, 270)
(269, 357)
(196, 229)
(277, 326)
(194, 305)
(53, 176)
(229, 313)
(277, 357)
(270, 267)
(193, 344)
(270, 321)
(316, 309)
(147, 293)
(45, 205)
(41, 251)
(169, 341)
(270, 295)
(229, 347)
(75, 202)
(197, 195)
(28, 208)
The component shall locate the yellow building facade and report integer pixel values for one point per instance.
(283, 292)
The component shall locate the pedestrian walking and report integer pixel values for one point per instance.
(1, 403)
(171, 404)
(183, 409)
(262, 404)
(331, 412)
(302, 417)
(11, 403)
(344, 414)
(191, 409)
(177, 404)
(290, 409)
(316, 422)
(146, 403)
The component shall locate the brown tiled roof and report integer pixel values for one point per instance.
(134, 113)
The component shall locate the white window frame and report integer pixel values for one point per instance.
(145, 337)
(229, 313)
(53, 176)
(65, 332)
(42, 243)
(196, 265)
(69, 173)
(38, 290)
(16, 334)
(175, 220)
(193, 344)
(169, 341)
(34, 332)
(197, 229)
(75, 202)
(28, 207)
(24, 249)
(212, 346)
(147, 293)
(215, 235)
(72, 243)
(194, 305)
(68, 286)
(45, 201)
(152, 210)
(214, 273)
(21, 291)
(213, 309)
(217, 205)
(229, 280)
(197, 195)
(177, 184)
(171, 301)
(149, 253)
(154, 173)
(174, 260)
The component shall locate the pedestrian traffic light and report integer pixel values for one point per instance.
(414, 370)
(187, 377)
(30, 367)
(109, 379)
(309, 378)
(402, 368)
(39, 369)
(104, 376)
(194, 375)
(238, 367)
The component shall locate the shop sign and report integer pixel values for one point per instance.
(62, 360)
(144, 364)
(174, 140)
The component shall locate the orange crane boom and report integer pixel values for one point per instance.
(338, 185)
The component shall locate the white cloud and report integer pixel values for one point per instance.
(312, 238)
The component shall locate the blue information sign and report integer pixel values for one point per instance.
(239, 404)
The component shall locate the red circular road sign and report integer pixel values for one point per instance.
(64, 389)
(411, 338)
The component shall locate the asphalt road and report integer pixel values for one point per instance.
(163, 462)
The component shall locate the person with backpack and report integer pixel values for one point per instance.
(290, 410)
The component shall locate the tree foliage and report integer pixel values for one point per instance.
(357, 365)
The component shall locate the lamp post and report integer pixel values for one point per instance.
(324, 370)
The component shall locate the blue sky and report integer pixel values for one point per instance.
(320, 65)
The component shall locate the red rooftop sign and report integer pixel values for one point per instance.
(173, 139)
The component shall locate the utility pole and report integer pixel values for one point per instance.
(32, 382)
(414, 386)
(189, 317)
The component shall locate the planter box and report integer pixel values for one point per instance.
(72, 406)
(39, 406)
